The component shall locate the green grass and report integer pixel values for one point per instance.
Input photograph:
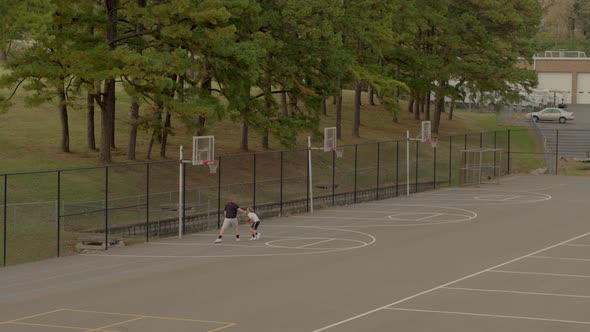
(29, 137)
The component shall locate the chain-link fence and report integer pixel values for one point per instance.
(54, 213)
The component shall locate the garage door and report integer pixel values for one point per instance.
(583, 88)
(557, 82)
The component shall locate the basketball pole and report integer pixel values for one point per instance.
(310, 174)
(407, 163)
(180, 194)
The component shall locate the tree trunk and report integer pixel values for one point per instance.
(108, 98)
(151, 144)
(133, 124)
(334, 99)
(422, 104)
(371, 95)
(440, 108)
(106, 122)
(201, 126)
(63, 116)
(339, 117)
(244, 134)
(411, 105)
(164, 134)
(356, 124)
(428, 105)
(90, 136)
(284, 104)
(264, 139)
(134, 107)
(452, 108)
(324, 106)
(417, 108)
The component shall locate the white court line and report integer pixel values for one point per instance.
(270, 236)
(445, 285)
(431, 216)
(317, 250)
(562, 258)
(577, 245)
(511, 198)
(516, 292)
(543, 274)
(313, 244)
(206, 244)
(493, 316)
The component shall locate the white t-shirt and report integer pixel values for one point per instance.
(253, 216)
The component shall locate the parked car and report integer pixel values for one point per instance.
(551, 114)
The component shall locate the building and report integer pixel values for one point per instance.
(565, 73)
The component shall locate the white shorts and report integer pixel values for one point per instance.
(227, 222)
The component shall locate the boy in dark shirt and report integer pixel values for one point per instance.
(230, 213)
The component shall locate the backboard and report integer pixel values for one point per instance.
(203, 149)
(426, 133)
(330, 138)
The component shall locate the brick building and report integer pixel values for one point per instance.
(564, 72)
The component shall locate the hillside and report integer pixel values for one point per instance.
(29, 136)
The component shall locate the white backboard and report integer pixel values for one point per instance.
(203, 149)
(330, 138)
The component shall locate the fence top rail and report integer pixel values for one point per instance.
(90, 167)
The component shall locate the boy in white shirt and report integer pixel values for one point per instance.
(255, 222)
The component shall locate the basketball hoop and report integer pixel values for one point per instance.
(339, 151)
(433, 142)
(212, 165)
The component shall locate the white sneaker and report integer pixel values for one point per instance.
(253, 238)
(237, 239)
(258, 236)
(217, 241)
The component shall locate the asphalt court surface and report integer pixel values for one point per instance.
(508, 257)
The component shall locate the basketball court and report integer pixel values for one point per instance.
(510, 257)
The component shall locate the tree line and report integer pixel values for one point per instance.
(271, 65)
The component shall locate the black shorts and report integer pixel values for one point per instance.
(255, 225)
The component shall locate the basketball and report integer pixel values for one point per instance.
(247, 220)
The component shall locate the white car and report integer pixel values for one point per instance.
(551, 114)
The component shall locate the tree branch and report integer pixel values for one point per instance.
(15, 88)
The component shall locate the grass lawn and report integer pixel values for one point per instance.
(29, 140)
(30, 136)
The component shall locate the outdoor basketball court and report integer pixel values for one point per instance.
(507, 257)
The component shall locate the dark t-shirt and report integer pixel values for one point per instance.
(231, 210)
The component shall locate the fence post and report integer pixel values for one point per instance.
(378, 157)
(508, 171)
(106, 208)
(219, 194)
(481, 139)
(465, 147)
(397, 169)
(450, 159)
(556, 150)
(307, 161)
(58, 212)
(254, 184)
(417, 157)
(333, 175)
(183, 198)
(434, 160)
(147, 203)
(495, 152)
(281, 188)
(355, 169)
(5, 219)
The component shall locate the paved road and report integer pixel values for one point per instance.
(573, 137)
(511, 257)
